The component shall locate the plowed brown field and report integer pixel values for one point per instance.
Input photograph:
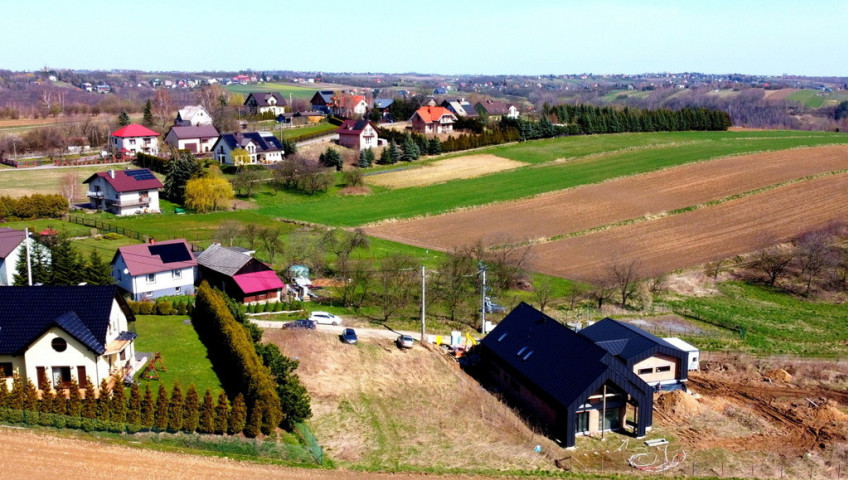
(618, 200)
(700, 236)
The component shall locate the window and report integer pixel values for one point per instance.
(645, 371)
(666, 368)
(176, 273)
(151, 277)
(132, 141)
(5, 369)
(59, 344)
(123, 355)
(61, 376)
(582, 422)
(178, 289)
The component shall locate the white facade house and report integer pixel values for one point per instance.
(67, 333)
(358, 134)
(431, 119)
(193, 115)
(263, 147)
(195, 139)
(258, 103)
(134, 138)
(12, 247)
(124, 192)
(152, 270)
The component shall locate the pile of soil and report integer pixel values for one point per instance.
(828, 413)
(778, 375)
(677, 403)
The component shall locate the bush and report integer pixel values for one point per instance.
(145, 308)
(165, 308)
(113, 236)
(33, 206)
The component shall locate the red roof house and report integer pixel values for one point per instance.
(432, 119)
(124, 192)
(239, 275)
(135, 138)
(151, 270)
(358, 134)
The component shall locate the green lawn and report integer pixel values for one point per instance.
(26, 181)
(105, 248)
(773, 322)
(808, 98)
(284, 89)
(183, 354)
(591, 159)
(307, 130)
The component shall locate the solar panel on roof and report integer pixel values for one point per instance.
(140, 174)
(174, 252)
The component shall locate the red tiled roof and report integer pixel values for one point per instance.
(354, 127)
(127, 183)
(432, 114)
(141, 261)
(256, 282)
(134, 130)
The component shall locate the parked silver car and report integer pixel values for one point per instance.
(405, 341)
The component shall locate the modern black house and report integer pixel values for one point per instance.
(563, 380)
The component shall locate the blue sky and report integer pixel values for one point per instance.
(462, 36)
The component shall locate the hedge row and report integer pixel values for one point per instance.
(33, 206)
(161, 307)
(157, 164)
(234, 358)
(274, 307)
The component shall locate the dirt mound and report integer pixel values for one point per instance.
(828, 413)
(677, 403)
(778, 375)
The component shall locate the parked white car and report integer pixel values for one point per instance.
(325, 318)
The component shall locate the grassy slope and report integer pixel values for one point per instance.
(774, 322)
(808, 98)
(303, 93)
(623, 160)
(183, 354)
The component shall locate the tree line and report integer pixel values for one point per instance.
(587, 119)
(55, 262)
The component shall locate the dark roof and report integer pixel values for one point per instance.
(560, 362)
(311, 113)
(323, 97)
(383, 102)
(222, 259)
(26, 313)
(145, 258)
(129, 180)
(9, 240)
(263, 97)
(264, 143)
(354, 127)
(494, 107)
(191, 131)
(628, 342)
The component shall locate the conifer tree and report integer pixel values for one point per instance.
(180, 170)
(410, 149)
(118, 404)
(47, 404)
(30, 396)
(238, 416)
(366, 158)
(390, 155)
(148, 408)
(254, 421)
(64, 264)
(44, 382)
(134, 407)
(191, 410)
(160, 421)
(16, 396)
(4, 394)
(123, 118)
(41, 269)
(332, 158)
(74, 399)
(96, 271)
(60, 403)
(175, 409)
(148, 115)
(206, 422)
(222, 413)
(89, 403)
(103, 400)
(434, 146)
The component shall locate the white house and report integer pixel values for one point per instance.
(134, 138)
(193, 115)
(358, 134)
(12, 247)
(155, 269)
(258, 103)
(124, 192)
(431, 119)
(66, 332)
(263, 147)
(196, 139)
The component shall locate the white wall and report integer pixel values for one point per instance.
(137, 144)
(161, 280)
(42, 354)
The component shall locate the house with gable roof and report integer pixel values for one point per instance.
(258, 103)
(194, 115)
(263, 147)
(65, 333)
(124, 192)
(460, 107)
(151, 270)
(239, 275)
(12, 248)
(323, 101)
(431, 119)
(350, 105)
(562, 380)
(358, 134)
(495, 108)
(134, 138)
(196, 139)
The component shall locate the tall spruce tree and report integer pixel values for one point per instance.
(206, 422)
(96, 271)
(123, 118)
(64, 264)
(103, 402)
(148, 408)
(89, 402)
(222, 414)
(191, 410)
(148, 120)
(118, 404)
(160, 421)
(238, 416)
(409, 148)
(182, 168)
(41, 268)
(434, 146)
(74, 399)
(175, 409)
(366, 158)
(134, 406)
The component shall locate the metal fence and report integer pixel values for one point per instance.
(108, 227)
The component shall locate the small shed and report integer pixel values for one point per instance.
(692, 352)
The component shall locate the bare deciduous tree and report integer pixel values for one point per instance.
(455, 282)
(815, 254)
(227, 232)
(773, 261)
(508, 260)
(624, 276)
(69, 185)
(396, 285)
(543, 290)
(272, 242)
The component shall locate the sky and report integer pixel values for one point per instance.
(526, 37)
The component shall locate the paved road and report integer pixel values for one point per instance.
(374, 333)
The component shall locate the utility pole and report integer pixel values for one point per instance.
(29, 261)
(423, 303)
(482, 297)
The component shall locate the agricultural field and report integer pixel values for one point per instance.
(431, 173)
(808, 98)
(17, 182)
(284, 89)
(580, 209)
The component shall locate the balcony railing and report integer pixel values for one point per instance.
(95, 194)
(129, 203)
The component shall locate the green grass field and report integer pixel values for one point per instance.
(302, 93)
(307, 130)
(182, 352)
(774, 322)
(590, 159)
(808, 98)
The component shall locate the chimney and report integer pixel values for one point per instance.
(151, 241)
(112, 173)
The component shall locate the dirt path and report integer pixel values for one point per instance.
(31, 456)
